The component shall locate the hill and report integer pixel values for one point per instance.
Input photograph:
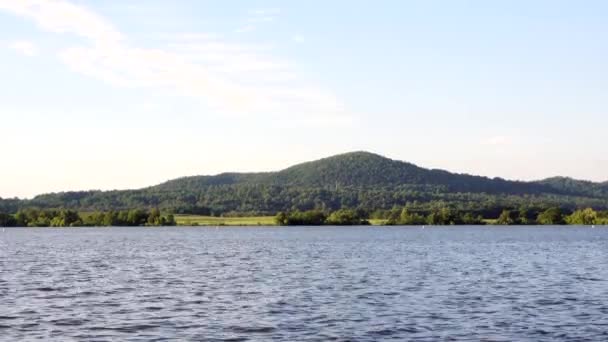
(574, 186)
(355, 180)
(361, 170)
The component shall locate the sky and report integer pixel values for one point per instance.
(131, 93)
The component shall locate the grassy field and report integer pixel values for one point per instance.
(197, 220)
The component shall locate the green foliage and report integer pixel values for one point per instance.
(358, 180)
(443, 216)
(342, 217)
(154, 218)
(602, 218)
(525, 216)
(170, 220)
(407, 218)
(71, 218)
(137, 217)
(440, 215)
(472, 220)
(583, 217)
(506, 218)
(573, 186)
(551, 216)
(7, 220)
(9, 205)
(346, 217)
(301, 218)
(66, 218)
(281, 219)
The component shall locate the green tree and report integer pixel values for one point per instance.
(170, 220)
(408, 218)
(505, 218)
(136, 217)
(346, 217)
(602, 218)
(154, 218)
(470, 219)
(7, 220)
(70, 218)
(303, 218)
(110, 219)
(95, 219)
(586, 217)
(22, 218)
(281, 219)
(551, 216)
(524, 216)
(444, 215)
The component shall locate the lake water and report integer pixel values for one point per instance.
(304, 284)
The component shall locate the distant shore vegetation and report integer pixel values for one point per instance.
(444, 216)
(342, 217)
(406, 216)
(71, 218)
(360, 181)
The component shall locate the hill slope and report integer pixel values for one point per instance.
(356, 179)
(580, 187)
(361, 170)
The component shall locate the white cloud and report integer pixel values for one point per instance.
(297, 38)
(24, 47)
(64, 17)
(236, 78)
(257, 17)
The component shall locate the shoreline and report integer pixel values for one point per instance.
(456, 226)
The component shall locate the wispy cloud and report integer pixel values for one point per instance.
(257, 17)
(234, 77)
(24, 47)
(265, 12)
(64, 17)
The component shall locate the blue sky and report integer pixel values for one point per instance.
(126, 94)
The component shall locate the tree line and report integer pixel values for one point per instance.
(443, 216)
(554, 216)
(342, 217)
(262, 200)
(71, 218)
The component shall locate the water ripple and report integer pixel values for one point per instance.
(304, 284)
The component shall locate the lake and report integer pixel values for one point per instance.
(304, 284)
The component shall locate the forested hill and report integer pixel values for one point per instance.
(583, 188)
(355, 180)
(357, 170)
(368, 170)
